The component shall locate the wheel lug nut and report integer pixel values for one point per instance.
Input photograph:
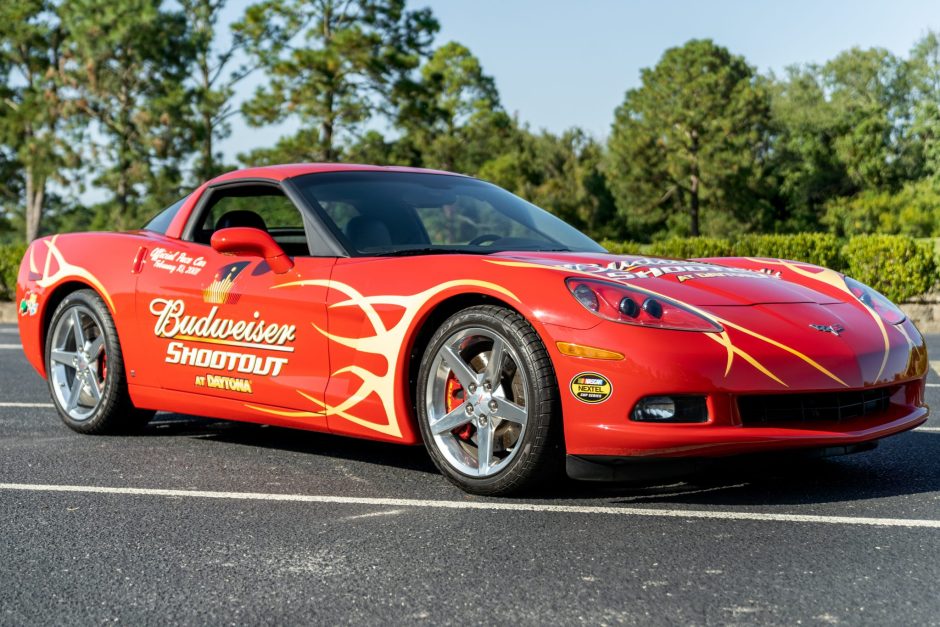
(493, 406)
(487, 386)
(470, 408)
(472, 388)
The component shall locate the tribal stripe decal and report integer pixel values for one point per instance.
(65, 270)
(386, 343)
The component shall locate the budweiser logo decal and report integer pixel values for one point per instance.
(174, 323)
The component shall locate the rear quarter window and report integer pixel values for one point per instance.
(161, 222)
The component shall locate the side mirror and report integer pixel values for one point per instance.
(242, 240)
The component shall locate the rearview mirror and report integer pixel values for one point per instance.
(242, 240)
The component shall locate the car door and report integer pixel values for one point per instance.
(228, 325)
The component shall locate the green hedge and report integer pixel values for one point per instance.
(898, 266)
(10, 256)
(821, 249)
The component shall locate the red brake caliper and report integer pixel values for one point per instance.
(454, 393)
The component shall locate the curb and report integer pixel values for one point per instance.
(925, 315)
(8, 313)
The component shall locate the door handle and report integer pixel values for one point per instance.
(139, 260)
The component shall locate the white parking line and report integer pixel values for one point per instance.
(485, 505)
(928, 429)
(26, 405)
(10, 331)
(11, 346)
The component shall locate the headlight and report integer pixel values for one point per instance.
(878, 303)
(619, 303)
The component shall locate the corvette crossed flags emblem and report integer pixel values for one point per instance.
(835, 329)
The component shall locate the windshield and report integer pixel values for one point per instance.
(395, 213)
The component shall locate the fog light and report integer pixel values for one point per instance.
(671, 409)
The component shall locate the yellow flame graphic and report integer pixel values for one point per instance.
(386, 343)
(722, 338)
(833, 278)
(66, 270)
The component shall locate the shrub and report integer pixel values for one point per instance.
(10, 256)
(914, 210)
(624, 248)
(822, 249)
(691, 247)
(897, 266)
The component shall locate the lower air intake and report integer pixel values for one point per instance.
(761, 410)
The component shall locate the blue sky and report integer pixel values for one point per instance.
(559, 64)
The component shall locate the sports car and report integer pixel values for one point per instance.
(416, 306)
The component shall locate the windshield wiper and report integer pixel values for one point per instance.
(408, 252)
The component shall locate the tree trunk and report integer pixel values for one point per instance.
(35, 198)
(327, 127)
(35, 192)
(694, 185)
(208, 159)
(124, 162)
(330, 118)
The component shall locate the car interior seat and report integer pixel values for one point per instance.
(240, 217)
(365, 232)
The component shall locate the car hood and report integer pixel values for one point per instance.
(724, 283)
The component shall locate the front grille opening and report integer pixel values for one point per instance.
(765, 409)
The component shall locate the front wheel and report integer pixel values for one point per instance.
(487, 403)
(85, 368)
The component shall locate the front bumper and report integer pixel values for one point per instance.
(709, 439)
(659, 362)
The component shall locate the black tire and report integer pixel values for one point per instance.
(112, 412)
(538, 453)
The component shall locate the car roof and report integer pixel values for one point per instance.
(286, 171)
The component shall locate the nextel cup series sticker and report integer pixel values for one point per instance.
(590, 387)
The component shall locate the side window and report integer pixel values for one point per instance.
(257, 206)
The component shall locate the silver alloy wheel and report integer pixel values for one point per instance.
(77, 363)
(476, 401)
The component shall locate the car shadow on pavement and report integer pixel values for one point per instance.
(293, 440)
(905, 464)
(901, 466)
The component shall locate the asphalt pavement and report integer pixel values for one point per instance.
(207, 522)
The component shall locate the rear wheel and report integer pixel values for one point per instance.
(85, 368)
(488, 403)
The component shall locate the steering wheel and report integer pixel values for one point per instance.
(479, 240)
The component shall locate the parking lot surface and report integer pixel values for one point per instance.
(199, 521)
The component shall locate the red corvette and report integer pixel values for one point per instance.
(414, 306)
